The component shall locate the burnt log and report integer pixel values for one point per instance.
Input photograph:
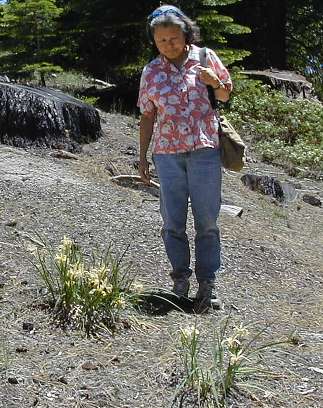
(45, 117)
(289, 82)
(267, 185)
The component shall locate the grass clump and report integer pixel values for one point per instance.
(85, 292)
(233, 365)
(72, 82)
(288, 131)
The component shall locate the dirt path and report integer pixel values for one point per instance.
(271, 274)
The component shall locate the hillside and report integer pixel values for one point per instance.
(271, 276)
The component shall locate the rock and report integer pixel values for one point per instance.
(36, 400)
(88, 365)
(11, 223)
(264, 184)
(232, 210)
(13, 380)
(312, 200)
(130, 150)
(28, 326)
(280, 191)
(63, 380)
(21, 349)
(46, 118)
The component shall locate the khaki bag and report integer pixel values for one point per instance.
(232, 148)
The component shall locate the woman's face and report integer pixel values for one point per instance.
(170, 41)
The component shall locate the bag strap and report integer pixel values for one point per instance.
(210, 90)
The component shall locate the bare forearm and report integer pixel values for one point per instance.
(146, 131)
(209, 77)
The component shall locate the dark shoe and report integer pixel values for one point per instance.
(181, 287)
(205, 298)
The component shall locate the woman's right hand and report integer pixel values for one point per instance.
(144, 170)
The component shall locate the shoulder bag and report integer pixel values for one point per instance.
(232, 148)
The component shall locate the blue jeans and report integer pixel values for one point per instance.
(195, 175)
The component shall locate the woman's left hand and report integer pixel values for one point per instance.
(209, 77)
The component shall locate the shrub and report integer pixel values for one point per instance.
(72, 82)
(90, 100)
(86, 292)
(290, 130)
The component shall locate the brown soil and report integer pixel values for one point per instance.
(271, 275)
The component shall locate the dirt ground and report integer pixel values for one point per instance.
(271, 276)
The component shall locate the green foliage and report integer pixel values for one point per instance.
(90, 100)
(305, 39)
(216, 27)
(234, 363)
(87, 293)
(27, 33)
(283, 129)
(72, 82)
(106, 37)
(41, 70)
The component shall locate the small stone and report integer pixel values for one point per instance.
(13, 380)
(88, 365)
(63, 380)
(312, 200)
(11, 223)
(27, 326)
(115, 360)
(21, 349)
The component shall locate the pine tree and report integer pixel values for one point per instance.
(215, 26)
(305, 39)
(28, 37)
(107, 34)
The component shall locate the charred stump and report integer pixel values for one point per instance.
(292, 84)
(45, 117)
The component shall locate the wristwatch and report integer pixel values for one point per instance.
(220, 85)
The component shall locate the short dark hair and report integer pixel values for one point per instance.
(169, 16)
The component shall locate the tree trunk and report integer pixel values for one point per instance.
(46, 118)
(275, 32)
(267, 41)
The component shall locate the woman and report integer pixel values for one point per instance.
(176, 114)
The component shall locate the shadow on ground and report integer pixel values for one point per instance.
(160, 302)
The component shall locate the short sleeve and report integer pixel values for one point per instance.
(144, 103)
(216, 64)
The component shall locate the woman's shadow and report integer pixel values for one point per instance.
(161, 302)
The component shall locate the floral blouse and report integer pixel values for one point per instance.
(184, 118)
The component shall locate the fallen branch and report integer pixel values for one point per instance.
(63, 154)
(232, 210)
(133, 177)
